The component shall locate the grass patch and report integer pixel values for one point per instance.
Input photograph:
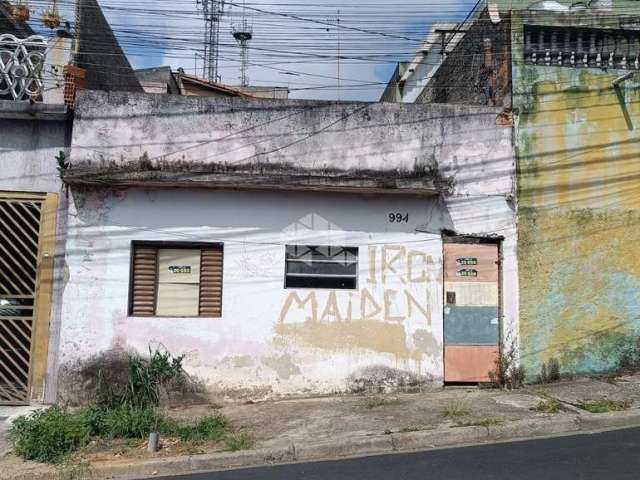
(550, 405)
(410, 429)
(455, 410)
(376, 402)
(48, 436)
(124, 422)
(51, 436)
(239, 441)
(604, 406)
(212, 428)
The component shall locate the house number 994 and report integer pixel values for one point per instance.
(398, 218)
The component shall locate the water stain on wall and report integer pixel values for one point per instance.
(364, 334)
(282, 365)
(579, 218)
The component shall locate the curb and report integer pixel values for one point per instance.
(611, 420)
(349, 448)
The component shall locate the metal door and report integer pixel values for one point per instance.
(471, 311)
(21, 222)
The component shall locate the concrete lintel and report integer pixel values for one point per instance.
(10, 109)
(293, 183)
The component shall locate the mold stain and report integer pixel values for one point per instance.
(579, 241)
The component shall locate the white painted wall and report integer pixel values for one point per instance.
(243, 350)
(256, 349)
(27, 154)
(259, 348)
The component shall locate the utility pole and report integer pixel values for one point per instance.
(212, 10)
(243, 33)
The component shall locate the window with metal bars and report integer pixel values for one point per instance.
(322, 267)
(176, 280)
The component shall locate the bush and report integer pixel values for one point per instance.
(550, 371)
(508, 373)
(48, 435)
(145, 381)
(124, 422)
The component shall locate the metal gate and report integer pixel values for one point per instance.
(20, 249)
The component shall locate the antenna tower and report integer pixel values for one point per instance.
(212, 10)
(243, 33)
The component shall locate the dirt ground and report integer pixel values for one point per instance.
(277, 424)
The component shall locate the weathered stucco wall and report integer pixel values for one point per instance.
(235, 141)
(266, 342)
(579, 208)
(271, 340)
(27, 154)
(31, 136)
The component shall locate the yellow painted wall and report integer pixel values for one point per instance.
(578, 144)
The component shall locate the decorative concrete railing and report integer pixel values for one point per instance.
(21, 67)
(582, 47)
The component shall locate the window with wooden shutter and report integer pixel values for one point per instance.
(176, 280)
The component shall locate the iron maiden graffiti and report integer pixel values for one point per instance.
(395, 289)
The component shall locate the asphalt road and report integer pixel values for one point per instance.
(601, 456)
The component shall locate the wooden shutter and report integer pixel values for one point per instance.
(211, 282)
(144, 281)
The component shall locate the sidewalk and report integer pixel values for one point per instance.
(343, 426)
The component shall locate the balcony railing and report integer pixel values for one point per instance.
(582, 47)
(21, 67)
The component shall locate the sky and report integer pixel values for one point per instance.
(320, 49)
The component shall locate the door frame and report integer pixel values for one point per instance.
(43, 291)
(498, 240)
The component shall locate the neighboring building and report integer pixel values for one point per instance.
(35, 135)
(164, 80)
(289, 247)
(98, 52)
(576, 86)
(410, 78)
(393, 91)
(573, 81)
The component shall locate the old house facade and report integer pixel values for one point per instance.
(567, 77)
(576, 85)
(290, 247)
(38, 78)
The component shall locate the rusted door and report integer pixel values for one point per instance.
(471, 311)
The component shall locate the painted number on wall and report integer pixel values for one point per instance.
(398, 218)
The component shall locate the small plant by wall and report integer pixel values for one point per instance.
(508, 374)
(550, 371)
(125, 406)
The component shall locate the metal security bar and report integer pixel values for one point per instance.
(20, 224)
(323, 267)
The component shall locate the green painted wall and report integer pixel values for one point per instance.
(578, 214)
